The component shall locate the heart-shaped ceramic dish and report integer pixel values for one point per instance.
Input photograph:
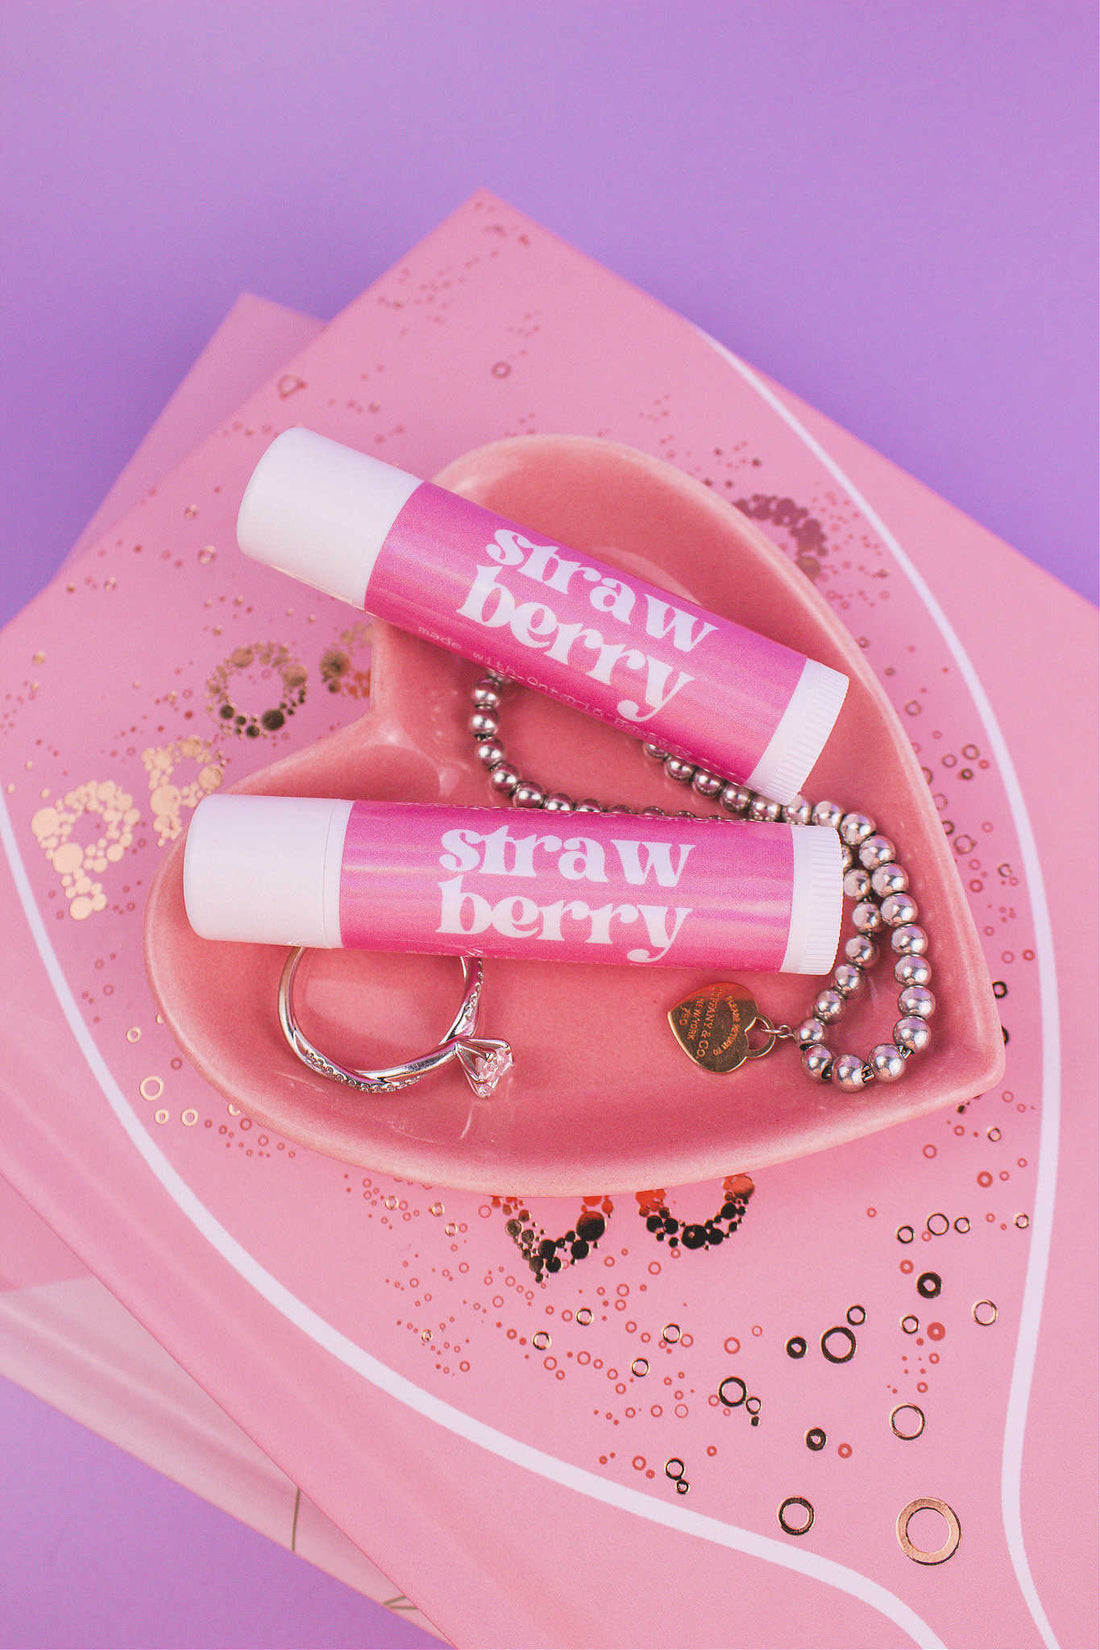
(601, 1097)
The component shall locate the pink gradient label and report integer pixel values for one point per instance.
(613, 646)
(608, 888)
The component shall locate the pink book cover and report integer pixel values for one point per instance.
(625, 1452)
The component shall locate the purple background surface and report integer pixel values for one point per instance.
(891, 208)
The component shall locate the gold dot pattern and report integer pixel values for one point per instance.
(795, 1515)
(339, 671)
(907, 1421)
(151, 1088)
(264, 659)
(79, 864)
(928, 1503)
(167, 797)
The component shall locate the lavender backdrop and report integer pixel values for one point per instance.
(889, 205)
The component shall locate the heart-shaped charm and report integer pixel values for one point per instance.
(712, 1025)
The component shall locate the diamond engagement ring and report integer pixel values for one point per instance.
(484, 1060)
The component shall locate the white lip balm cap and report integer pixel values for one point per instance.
(817, 900)
(321, 511)
(265, 869)
(803, 728)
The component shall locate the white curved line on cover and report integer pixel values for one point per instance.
(404, 1391)
(1039, 1252)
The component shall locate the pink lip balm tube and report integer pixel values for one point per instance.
(610, 888)
(436, 564)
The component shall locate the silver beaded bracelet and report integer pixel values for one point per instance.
(873, 879)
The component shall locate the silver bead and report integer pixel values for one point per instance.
(887, 1062)
(706, 784)
(847, 979)
(899, 909)
(918, 1001)
(909, 940)
(735, 798)
(486, 694)
(587, 806)
(655, 753)
(818, 1062)
(855, 828)
(827, 813)
(848, 1072)
(809, 1032)
(913, 1034)
(619, 808)
(857, 884)
(654, 813)
(764, 810)
(828, 1005)
(501, 683)
(913, 970)
(483, 724)
(876, 851)
(798, 812)
(490, 751)
(679, 770)
(889, 879)
(558, 803)
(867, 917)
(504, 778)
(528, 795)
(861, 951)
(847, 858)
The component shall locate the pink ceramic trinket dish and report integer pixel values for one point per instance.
(600, 1094)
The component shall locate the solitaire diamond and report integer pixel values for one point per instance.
(486, 1062)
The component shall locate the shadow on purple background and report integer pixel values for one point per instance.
(891, 208)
